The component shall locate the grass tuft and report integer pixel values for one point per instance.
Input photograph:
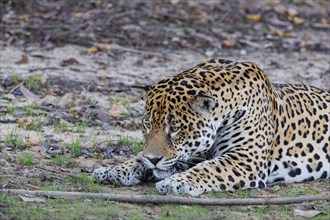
(13, 139)
(62, 160)
(75, 147)
(25, 158)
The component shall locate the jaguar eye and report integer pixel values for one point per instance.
(145, 123)
(174, 130)
(146, 127)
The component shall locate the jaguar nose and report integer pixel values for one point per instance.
(154, 160)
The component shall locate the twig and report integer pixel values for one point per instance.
(57, 171)
(169, 199)
(7, 176)
(318, 25)
(16, 87)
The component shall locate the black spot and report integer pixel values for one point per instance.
(310, 147)
(309, 179)
(324, 175)
(253, 184)
(236, 173)
(310, 170)
(295, 172)
(279, 179)
(191, 92)
(316, 156)
(319, 166)
(223, 187)
(261, 184)
(230, 178)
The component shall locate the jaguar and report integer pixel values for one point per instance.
(222, 126)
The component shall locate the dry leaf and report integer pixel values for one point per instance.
(253, 17)
(28, 94)
(297, 20)
(117, 110)
(92, 49)
(24, 60)
(307, 213)
(103, 80)
(175, 2)
(229, 43)
(48, 16)
(81, 15)
(20, 122)
(324, 21)
(69, 62)
(24, 18)
(29, 121)
(280, 33)
(291, 12)
(41, 79)
(106, 47)
(33, 186)
(268, 196)
(32, 199)
(74, 110)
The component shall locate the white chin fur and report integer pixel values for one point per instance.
(161, 174)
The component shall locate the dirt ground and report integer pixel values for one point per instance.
(66, 107)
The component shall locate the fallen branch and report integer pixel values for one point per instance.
(169, 199)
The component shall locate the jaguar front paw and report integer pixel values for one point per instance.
(178, 185)
(101, 174)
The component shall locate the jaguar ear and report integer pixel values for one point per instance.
(140, 91)
(204, 104)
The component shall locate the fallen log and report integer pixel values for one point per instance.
(169, 199)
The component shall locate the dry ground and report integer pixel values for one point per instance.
(66, 107)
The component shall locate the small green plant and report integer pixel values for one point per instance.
(13, 139)
(16, 77)
(135, 143)
(37, 123)
(30, 109)
(25, 158)
(94, 141)
(81, 126)
(6, 156)
(125, 140)
(75, 146)
(52, 186)
(109, 141)
(11, 109)
(137, 146)
(33, 83)
(86, 182)
(61, 126)
(62, 160)
(125, 113)
(125, 102)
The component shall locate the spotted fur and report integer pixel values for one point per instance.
(223, 126)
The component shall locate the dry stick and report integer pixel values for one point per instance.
(169, 199)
